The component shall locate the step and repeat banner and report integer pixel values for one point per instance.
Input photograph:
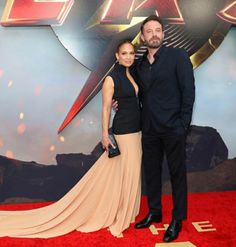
(54, 56)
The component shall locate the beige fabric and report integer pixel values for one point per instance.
(107, 196)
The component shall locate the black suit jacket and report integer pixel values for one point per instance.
(166, 89)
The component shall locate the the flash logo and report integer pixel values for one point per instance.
(121, 11)
(35, 12)
(228, 14)
(166, 9)
(54, 12)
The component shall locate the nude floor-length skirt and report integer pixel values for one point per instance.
(108, 195)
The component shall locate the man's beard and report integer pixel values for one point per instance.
(154, 45)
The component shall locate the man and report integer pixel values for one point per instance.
(167, 92)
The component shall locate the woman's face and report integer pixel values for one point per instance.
(125, 55)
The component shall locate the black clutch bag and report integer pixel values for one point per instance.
(112, 152)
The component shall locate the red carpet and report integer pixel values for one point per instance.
(210, 223)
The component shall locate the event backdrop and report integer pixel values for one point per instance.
(53, 58)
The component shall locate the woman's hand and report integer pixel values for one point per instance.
(106, 142)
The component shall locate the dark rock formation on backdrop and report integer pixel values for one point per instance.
(29, 181)
(219, 178)
(205, 149)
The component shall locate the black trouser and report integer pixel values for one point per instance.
(154, 148)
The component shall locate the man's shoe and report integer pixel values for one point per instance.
(173, 230)
(148, 220)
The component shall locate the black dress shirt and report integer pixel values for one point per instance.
(166, 89)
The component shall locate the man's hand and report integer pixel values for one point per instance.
(114, 105)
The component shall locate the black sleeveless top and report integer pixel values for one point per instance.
(127, 118)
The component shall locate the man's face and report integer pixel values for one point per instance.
(153, 34)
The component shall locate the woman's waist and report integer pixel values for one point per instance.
(127, 115)
(127, 103)
(126, 99)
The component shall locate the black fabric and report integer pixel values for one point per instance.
(154, 147)
(113, 151)
(167, 94)
(127, 117)
(167, 90)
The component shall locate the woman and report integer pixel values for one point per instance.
(109, 193)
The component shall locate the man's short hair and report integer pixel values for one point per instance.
(152, 18)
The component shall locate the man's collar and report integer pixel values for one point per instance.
(159, 51)
(157, 54)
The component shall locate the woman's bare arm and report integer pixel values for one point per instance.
(107, 94)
